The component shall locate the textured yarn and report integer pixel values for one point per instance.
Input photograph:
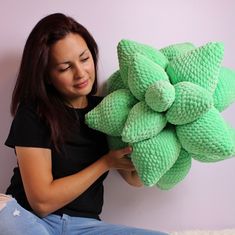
(166, 104)
(142, 73)
(177, 172)
(224, 94)
(142, 123)
(114, 83)
(155, 156)
(127, 49)
(111, 114)
(200, 66)
(191, 101)
(214, 157)
(175, 50)
(208, 135)
(160, 96)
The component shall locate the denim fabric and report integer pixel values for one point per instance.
(15, 220)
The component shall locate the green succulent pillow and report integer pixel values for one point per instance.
(166, 104)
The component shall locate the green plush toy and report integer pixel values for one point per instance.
(166, 104)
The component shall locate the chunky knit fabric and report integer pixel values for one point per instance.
(225, 91)
(200, 66)
(177, 172)
(127, 50)
(153, 157)
(175, 50)
(191, 101)
(114, 83)
(110, 115)
(142, 73)
(166, 104)
(142, 123)
(160, 95)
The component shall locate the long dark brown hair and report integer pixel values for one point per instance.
(32, 84)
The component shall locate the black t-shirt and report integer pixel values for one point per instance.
(83, 147)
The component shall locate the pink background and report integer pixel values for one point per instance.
(206, 198)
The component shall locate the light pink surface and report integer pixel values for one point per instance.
(206, 198)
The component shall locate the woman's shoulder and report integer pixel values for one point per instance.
(26, 112)
(25, 109)
(27, 129)
(27, 115)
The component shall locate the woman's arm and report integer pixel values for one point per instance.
(131, 177)
(45, 194)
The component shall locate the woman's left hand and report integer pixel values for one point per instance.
(131, 177)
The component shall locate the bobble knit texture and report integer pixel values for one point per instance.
(166, 104)
(160, 96)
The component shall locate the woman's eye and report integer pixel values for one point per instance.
(85, 59)
(64, 69)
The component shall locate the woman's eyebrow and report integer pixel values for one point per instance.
(64, 62)
(68, 62)
(83, 52)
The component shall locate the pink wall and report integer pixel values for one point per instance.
(206, 198)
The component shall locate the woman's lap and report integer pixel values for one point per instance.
(89, 226)
(15, 220)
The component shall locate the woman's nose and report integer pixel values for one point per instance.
(79, 71)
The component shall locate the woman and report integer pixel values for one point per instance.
(58, 184)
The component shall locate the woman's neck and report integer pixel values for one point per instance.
(79, 103)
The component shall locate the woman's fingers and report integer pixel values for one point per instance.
(118, 159)
(127, 164)
(124, 151)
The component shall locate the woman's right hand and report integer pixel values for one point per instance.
(117, 159)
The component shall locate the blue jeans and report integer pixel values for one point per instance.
(15, 220)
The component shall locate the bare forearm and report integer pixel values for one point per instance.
(64, 190)
(47, 195)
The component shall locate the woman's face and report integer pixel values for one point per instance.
(72, 69)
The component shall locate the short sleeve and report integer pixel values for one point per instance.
(27, 130)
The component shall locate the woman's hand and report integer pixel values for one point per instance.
(117, 159)
(131, 177)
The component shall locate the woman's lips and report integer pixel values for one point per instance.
(81, 85)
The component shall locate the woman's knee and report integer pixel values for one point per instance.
(4, 199)
(14, 219)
